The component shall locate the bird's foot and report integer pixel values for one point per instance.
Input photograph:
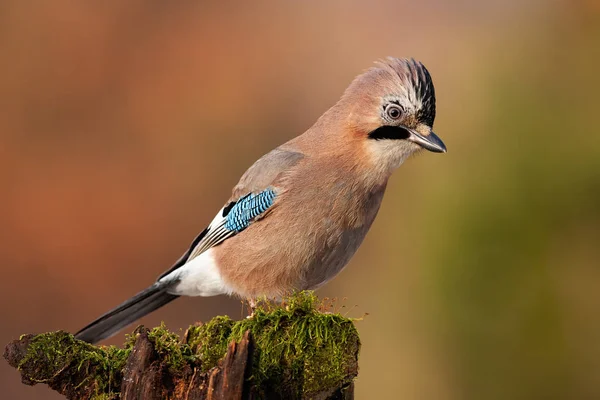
(252, 303)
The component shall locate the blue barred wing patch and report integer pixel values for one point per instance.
(248, 208)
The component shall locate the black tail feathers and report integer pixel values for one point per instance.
(135, 308)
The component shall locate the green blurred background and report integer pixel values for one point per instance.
(124, 125)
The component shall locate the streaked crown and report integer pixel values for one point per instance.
(405, 82)
(417, 85)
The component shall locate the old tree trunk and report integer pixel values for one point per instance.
(290, 351)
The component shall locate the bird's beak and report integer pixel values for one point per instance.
(430, 142)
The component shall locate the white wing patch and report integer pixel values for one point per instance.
(197, 274)
(215, 235)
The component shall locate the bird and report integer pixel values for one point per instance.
(301, 211)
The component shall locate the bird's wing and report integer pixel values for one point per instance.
(265, 171)
(252, 197)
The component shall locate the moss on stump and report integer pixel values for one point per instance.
(289, 350)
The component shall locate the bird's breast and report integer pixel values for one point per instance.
(309, 235)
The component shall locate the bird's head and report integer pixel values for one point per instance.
(391, 108)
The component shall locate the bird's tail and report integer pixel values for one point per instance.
(136, 307)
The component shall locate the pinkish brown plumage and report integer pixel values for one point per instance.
(300, 212)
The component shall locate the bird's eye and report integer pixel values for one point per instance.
(393, 111)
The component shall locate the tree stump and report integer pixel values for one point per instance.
(293, 351)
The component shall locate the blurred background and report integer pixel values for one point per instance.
(124, 126)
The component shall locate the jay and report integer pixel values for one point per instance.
(299, 214)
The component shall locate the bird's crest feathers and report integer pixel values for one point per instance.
(401, 77)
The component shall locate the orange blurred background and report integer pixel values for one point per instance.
(124, 126)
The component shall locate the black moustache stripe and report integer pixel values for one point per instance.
(389, 132)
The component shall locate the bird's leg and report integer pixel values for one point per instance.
(252, 304)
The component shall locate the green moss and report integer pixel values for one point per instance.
(106, 396)
(169, 347)
(210, 340)
(59, 353)
(298, 348)
(298, 351)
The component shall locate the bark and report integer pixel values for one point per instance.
(147, 373)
